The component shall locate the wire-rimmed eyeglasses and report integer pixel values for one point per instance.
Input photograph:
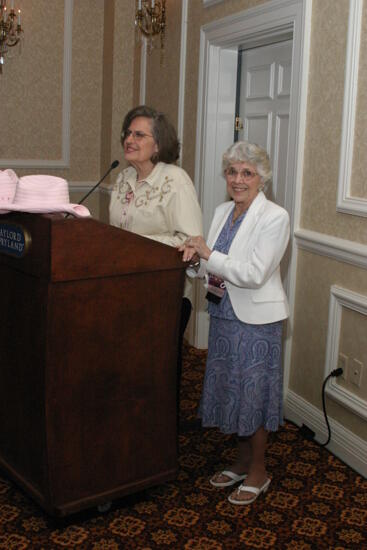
(245, 174)
(137, 135)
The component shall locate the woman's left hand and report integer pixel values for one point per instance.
(195, 247)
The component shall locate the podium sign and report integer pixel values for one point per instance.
(14, 240)
(88, 345)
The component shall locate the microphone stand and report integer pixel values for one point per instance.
(113, 165)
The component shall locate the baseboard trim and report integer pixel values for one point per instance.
(344, 444)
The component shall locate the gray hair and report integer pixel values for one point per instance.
(243, 151)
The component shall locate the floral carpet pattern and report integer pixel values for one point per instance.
(314, 501)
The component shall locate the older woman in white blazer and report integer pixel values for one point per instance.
(240, 261)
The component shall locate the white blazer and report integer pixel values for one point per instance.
(251, 269)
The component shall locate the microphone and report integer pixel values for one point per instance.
(113, 165)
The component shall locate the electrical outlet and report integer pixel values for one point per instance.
(356, 372)
(343, 364)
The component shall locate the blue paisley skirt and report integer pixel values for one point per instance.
(243, 379)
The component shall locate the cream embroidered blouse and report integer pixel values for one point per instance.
(163, 207)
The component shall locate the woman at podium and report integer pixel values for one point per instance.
(153, 196)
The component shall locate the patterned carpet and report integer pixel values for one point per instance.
(314, 501)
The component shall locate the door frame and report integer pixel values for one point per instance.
(219, 42)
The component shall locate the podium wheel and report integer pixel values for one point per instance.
(103, 508)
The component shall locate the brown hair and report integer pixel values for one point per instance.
(164, 133)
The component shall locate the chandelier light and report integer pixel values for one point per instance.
(11, 32)
(150, 19)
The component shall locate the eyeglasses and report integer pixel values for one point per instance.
(245, 174)
(137, 135)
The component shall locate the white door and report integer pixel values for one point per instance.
(264, 100)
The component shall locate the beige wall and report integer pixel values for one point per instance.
(105, 84)
(324, 124)
(316, 274)
(102, 79)
(162, 92)
(31, 88)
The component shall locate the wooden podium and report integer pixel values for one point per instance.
(88, 343)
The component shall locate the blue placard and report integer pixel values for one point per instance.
(15, 240)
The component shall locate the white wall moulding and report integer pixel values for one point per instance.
(105, 189)
(208, 3)
(82, 186)
(345, 201)
(64, 161)
(281, 124)
(339, 298)
(350, 448)
(143, 71)
(181, 90)
(341, 250)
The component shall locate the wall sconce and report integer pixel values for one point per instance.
(11, 32)
(150, 19)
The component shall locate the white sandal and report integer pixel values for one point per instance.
(233, 478)
(247, 488)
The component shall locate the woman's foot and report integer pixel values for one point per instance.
(248, 491)
(226, 478)
(231, 475)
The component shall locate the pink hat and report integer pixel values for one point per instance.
(8, 185)
(40, 194)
